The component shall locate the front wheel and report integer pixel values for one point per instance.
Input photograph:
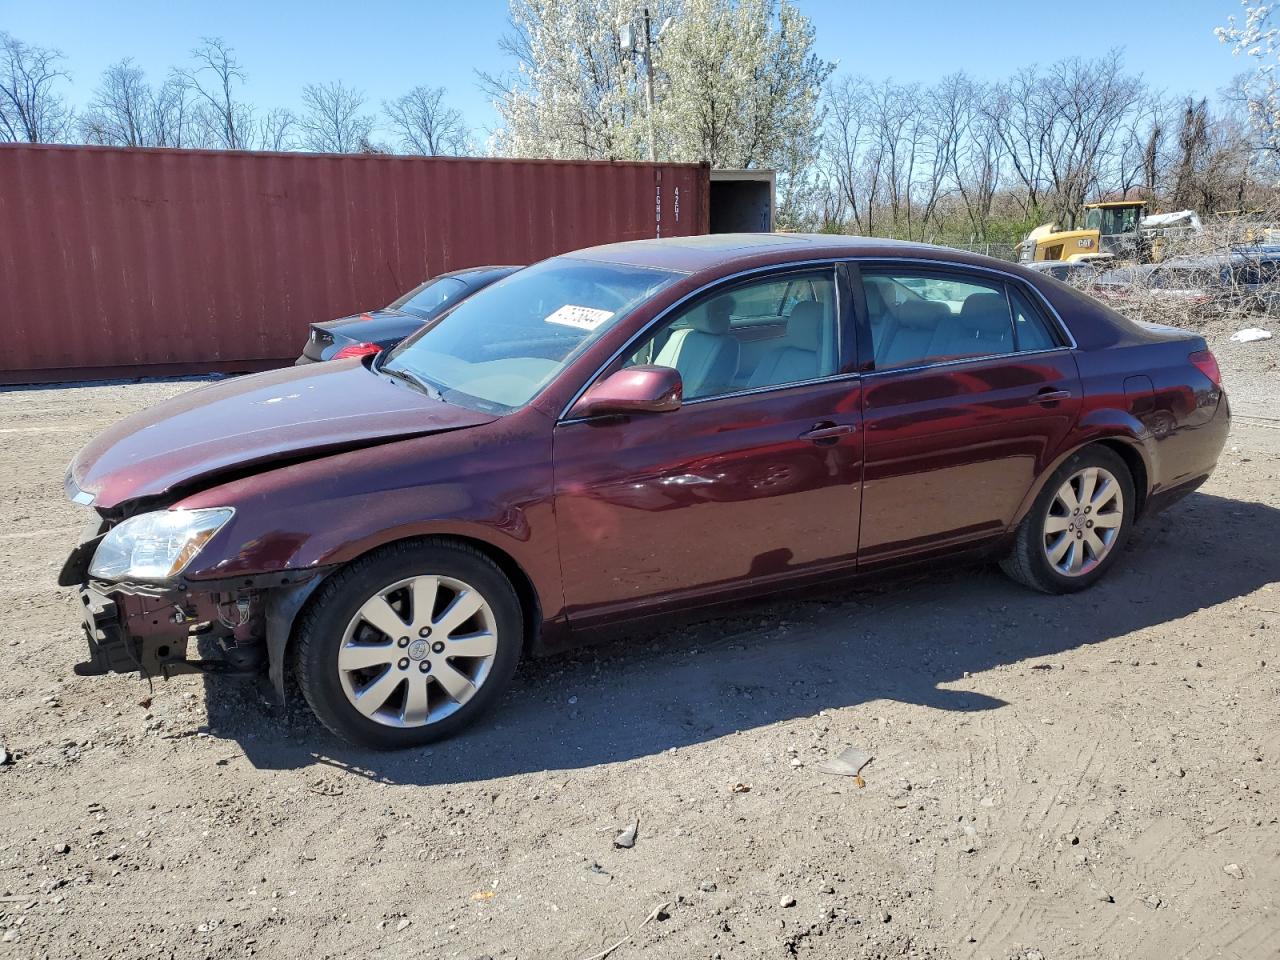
(1078, 524)
(409, 644)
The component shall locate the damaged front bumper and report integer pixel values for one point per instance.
(132, 627)
(237, 625)
(240, 626)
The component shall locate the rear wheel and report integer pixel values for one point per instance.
(409, 644)
(1078, 524)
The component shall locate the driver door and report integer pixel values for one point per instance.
(754, 479)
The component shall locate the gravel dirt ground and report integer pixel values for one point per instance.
(1054, 777)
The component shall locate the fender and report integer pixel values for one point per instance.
(283, 605)
(1104, 423)
(325, 513)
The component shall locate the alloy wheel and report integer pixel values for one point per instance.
(417, 650)
(1083, 521)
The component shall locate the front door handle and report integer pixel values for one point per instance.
(1051, 396)
(827, 432)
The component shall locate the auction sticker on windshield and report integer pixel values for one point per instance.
(584, 318)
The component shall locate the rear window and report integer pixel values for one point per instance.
(427, 299)
(1030, 329)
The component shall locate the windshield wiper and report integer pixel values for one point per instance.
(429, 389)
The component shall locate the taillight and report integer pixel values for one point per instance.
(1207, 364)
(357, 350)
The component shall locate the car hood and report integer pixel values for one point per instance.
(251, 422)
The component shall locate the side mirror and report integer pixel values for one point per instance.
(642, 389)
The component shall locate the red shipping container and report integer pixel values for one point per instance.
(130, 262)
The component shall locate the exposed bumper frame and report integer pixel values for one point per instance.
(148, 627)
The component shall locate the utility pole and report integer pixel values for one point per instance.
(648, 86)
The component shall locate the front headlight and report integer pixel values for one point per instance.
(156, 546)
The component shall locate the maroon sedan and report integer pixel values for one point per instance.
(625, 432)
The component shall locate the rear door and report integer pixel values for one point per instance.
(971, 392)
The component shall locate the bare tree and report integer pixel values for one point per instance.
(1060, 128)
(426, 125)
(851, 154)
(120, 109)
(892, 121)
(965, 162)
(944, 119)
(174, 114)
(31, 107)
(1140, 156)
(1012, 112)
(978, 155)
(127, 111)
(332, 122)
(1083, 106)
(1193, 148)
(277, 130)
(214, 82)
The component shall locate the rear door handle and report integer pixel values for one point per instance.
(1051, 396)
(827, 431)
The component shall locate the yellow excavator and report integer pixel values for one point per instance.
(1112, 229)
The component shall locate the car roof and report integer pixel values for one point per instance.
(721, 250)
(1247, 255)
(1041, 265)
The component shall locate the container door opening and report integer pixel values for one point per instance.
(741, 201)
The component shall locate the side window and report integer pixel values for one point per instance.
(1030, 330)
(759, 301)
(919, 318)
(765, 333)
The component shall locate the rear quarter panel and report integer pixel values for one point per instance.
(1152, 393)
(1177, 418)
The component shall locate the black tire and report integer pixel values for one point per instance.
(321, 627)
(1027, 562)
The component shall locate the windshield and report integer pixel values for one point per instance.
(1111, 221)
(499, 347)
(426, 299)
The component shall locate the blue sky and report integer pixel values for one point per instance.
(384, 48)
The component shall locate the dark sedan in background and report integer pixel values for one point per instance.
(376, 330)
(1247, 280)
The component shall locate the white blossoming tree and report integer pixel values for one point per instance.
(736, 82)
(743, 85)
(576, 93)
(1256, 38)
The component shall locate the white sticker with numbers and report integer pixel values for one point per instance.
(584, 318)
